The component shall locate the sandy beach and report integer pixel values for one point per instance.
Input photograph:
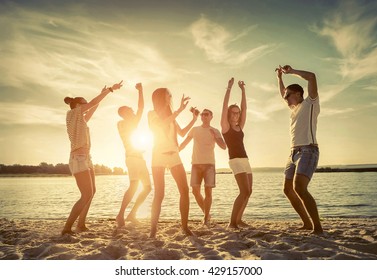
(344, 239)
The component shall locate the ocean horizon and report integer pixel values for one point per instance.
(350, 194)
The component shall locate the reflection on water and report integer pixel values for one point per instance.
(337, 195)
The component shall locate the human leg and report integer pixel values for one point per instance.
(128, 195)
(82, 218)
(158, 174)
(84, 183)
(209, 183)
(242, 198)
(207, 204)
(195, 182)
(294, 199)
(139, 200)
(198, 196)
(179, 175)
(301, 188)
(242, 210)
(297, 204)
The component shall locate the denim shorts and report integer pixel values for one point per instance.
(302, 160)
(79, 163)
(203, 171)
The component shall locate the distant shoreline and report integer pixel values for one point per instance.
(221, 171)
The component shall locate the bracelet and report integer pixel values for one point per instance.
(111, 89)
(228, 88)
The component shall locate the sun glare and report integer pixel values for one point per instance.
(142, 140)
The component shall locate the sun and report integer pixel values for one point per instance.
(142, 140)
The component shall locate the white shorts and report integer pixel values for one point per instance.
(167, 159)
(137, 170)
(79, 163)
(240, 165)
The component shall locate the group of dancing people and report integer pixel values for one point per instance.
(299, 170)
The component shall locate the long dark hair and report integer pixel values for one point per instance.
(159, 103)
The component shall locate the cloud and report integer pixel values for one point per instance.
(72, 53)
(352, 31)
(265, 87)
(24, 114)
(332, 111)
(215, 40)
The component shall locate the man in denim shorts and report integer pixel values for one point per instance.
(203, 160)
(303, 159)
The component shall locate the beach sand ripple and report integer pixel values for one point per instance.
(344, 239)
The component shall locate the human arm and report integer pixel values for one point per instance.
(279, 74)
(185, 142)
(218, 138)
(242, 121)
(183, 131)
(96, 100)
(140, 105)
(90, 112)
(306, 75)
(224, 114)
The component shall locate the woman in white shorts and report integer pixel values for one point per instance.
(165, 154)
(233, 121)
(80, 163)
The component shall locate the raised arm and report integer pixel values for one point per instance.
(140, 105)
(242, 121)
(96, 100)
(88, 115)
(154, 122)
(279, 74)
(224, 114)
(183, 131)
(306, 75)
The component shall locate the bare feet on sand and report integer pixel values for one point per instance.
(132, 219)
(232, 226)
(120, 221)
(81, 229)
(243, 224)
(68, 231)
(306, 227)
(207, 221)
(187, 231)
(317, 231)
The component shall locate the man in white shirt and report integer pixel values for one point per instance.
(203, 160)
(304, 156)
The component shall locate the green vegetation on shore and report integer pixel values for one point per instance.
(44, 169)
(61, 170)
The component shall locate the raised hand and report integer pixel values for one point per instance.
(104, 90)
(230, 83)
(279, 72)
(287, 69)
(118, 85)
(241, 84)
(184, 102)
(139, 87)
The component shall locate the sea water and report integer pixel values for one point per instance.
(337, 195)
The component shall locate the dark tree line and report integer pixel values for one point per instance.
(60, 168)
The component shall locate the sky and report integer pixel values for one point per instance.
(53, 49)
